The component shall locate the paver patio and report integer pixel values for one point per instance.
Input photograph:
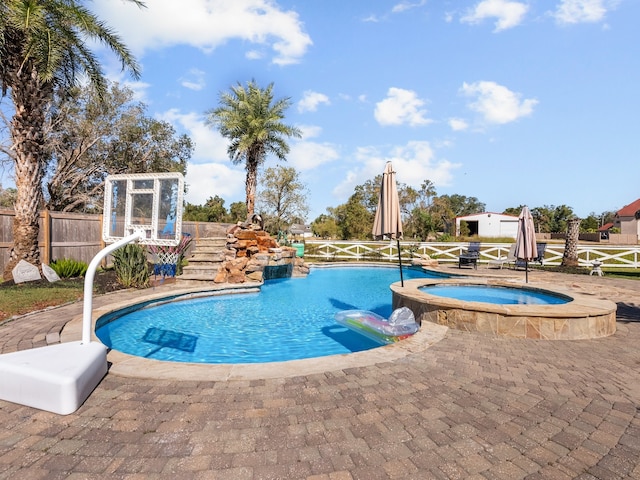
(470, 406)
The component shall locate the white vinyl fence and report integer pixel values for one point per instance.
(611, 256)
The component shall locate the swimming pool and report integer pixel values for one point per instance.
(288, 319)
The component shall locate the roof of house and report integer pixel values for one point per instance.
(487, 214)
(298, 229)
(605, 227)
(629, 210)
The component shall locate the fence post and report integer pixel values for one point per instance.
(46, 233)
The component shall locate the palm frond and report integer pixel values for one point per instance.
(52, 37)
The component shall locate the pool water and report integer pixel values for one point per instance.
(289, 319)
(495, 294)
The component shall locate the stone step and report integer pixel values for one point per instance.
(210, 242)
(195, 278)
(210, 248)
(199, 257)
(195, 282)
(200, 270)
(208, 251)
(205, 261)
(204, 264)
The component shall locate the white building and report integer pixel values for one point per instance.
(489, 224)
(298, 230)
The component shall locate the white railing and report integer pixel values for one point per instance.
(611, 256)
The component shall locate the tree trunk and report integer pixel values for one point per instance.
(570, 257)
(30, 99)
(251, 185)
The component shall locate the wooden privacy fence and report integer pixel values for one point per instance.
(79, 236)
(62, 235)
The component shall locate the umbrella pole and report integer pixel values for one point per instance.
(526, 271)
(400, 260)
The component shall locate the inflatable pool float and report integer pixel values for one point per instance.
(400, 325)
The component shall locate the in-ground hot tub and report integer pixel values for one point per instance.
(579, 317)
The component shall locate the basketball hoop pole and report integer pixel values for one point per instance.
(88, 281)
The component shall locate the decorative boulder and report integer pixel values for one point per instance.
(25, 272)
(49, 273)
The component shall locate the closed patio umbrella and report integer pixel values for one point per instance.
(388, 222)
(526, 240)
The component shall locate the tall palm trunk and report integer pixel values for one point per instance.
(251, 185)
(570, 257)
(30, 98)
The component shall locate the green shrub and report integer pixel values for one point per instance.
(130, 265)
(69, 268)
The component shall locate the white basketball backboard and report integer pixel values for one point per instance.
(151, 202)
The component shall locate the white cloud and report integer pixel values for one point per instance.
(254, 55)
(310, 131)
(311, 100)
(210, 172)
(209, 145)
(206, 180)
(458, 124)
(194, 80)
(401, 107)
(509, 14)
(413, 162)
(306, 156)
(371, 19)
(496, 103)
(207, 24)
(404, 6)
(581, 11)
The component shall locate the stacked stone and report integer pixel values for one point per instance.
(249, 250)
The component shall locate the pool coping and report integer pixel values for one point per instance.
(138, 367)
(584, 317)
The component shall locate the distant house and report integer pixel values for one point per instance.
(298, 230)
(490, 224)
(628, 219)
(604, 230)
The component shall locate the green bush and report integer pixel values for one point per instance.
(445, 237)
(130, 265)
(69, 268)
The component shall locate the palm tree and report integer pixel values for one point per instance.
(251, 119)
(570, 257)
(42, 49)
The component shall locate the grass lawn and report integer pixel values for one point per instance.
(21, 299)
(32, 296)
(633, 274)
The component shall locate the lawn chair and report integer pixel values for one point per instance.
(501, 261)
(541, 248)
(470, 256)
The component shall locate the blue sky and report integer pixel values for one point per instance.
(513, 102)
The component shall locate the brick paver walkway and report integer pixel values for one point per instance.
(469, 407)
